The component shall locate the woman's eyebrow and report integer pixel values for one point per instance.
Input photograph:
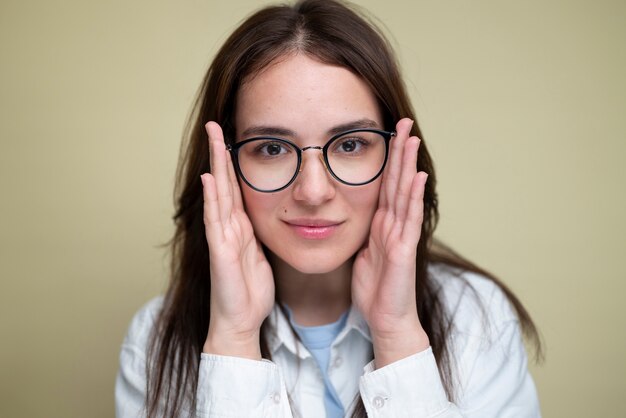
(364, 123)
(262, 130)
(267, 131)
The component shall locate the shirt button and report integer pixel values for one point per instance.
(276, 397)
(378, 402)
(337, 362)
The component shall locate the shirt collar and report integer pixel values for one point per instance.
(280, 334)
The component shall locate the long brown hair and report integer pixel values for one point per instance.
(333, 33)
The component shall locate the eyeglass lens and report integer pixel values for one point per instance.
(354, 158)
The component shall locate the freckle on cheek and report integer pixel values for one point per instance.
(285, 210)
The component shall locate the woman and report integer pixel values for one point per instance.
(305, 280)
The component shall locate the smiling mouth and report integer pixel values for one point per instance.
(313, 229)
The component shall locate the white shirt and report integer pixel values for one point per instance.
(490, 369)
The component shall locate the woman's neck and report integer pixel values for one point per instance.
(314, 299)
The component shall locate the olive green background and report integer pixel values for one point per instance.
(521, 102)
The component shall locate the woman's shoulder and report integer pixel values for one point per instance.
(142, 324)
(473, 301)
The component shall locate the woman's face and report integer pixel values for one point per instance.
(316, 224)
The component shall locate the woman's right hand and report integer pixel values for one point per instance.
(242, 284)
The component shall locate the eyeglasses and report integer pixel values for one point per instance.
(268, 164)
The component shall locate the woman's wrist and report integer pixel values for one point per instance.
(245, 346)
(390, 347)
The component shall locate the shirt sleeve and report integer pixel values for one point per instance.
(235, 387)
(130, 385)
(495, 382)
(228, 387)
(410, 387)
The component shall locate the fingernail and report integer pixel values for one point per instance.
(202, 180)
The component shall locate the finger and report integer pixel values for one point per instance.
(212, 221)
(415, 213)
(392, 171)
(234, 184)
(219, 169)
(407, 174)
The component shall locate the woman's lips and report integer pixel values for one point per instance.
(313, 229)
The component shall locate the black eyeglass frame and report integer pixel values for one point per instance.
(234, 150)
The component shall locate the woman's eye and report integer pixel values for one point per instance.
(350, 146)
(271, 149)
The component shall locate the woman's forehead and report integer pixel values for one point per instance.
(299, 92)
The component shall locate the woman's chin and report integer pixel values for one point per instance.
(310, 264)
(308, 268)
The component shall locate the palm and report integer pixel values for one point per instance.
(383, 284)
(242, 285)
(240, 273)
(383, 273)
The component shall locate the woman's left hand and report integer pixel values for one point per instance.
(384, 272)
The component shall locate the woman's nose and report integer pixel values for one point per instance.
(314, 184)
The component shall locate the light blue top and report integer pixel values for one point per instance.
(318, 340)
